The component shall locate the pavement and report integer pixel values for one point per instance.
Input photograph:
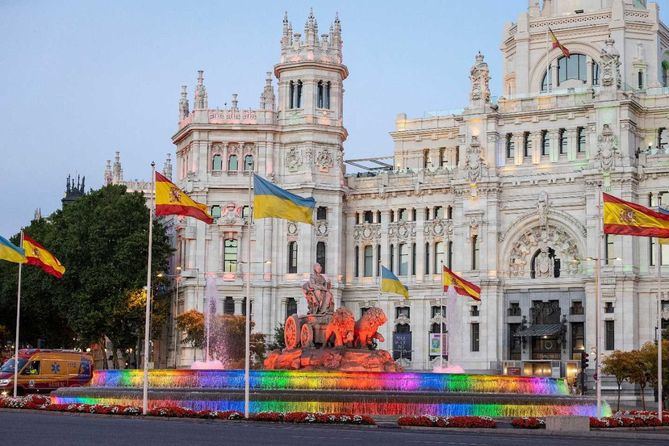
(55, 429)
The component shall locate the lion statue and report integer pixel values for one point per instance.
(341, 327)
(365, 329)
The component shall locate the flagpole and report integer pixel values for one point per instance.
(658, 248)
(247, 354)
(548, 64)
(18, 321)
(147, 320)
(598, 298)
(441, 321)
(207, 302)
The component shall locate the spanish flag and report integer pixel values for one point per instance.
(272, 201)
(391, 284)
(461, 286)
(625, 218)
(11, 252)
(557, 44)
(40, 257)
(170, 200)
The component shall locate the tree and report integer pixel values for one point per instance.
(228, 336)
(279, 342)
(192, 324)
(620, 365)
(639, 373)
(102, 239)
(648, 359)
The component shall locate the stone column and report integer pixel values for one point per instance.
(588, 68)
(518, 145)
(536, 147)
(571, 144)
(385, 243)
(350, 247)
(239, 301)
(553, 137)
(420, 245)
(361, 260)
(554, 74)
(375, 268)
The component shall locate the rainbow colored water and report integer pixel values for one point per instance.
(314, 380)
(369, 393)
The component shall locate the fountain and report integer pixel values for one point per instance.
(330, 365)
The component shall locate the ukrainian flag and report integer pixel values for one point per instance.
(272, 201)
(661, 210)
(391, 284)
(11, 252)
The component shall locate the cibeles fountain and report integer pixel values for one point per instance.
(329, 339)
(331, 364)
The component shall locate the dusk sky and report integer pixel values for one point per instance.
(83, 79)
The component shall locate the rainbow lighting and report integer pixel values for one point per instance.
(315, 380)
(369, 393)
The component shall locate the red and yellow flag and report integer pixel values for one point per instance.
(557, 44)
(170, 200)
(38, 256)
(623, 217)
(461, 286)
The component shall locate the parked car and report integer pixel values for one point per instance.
(41, 371)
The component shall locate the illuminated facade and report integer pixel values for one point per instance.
(504, 192)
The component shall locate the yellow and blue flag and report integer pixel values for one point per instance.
(11, 252)
(272, 201)
(391, 284)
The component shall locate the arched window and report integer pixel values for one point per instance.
(217, 162)
(427, 258)
(233, 164)
(291, 306)
(248, 163)
(216, 211)
(320, 254)
(292, 257)
(404, 259)
(291, 94)
(321, 93)
(438, 257)
(369, 261)
(574, 67)
(326, 99)
(230, 255)
(298, 95)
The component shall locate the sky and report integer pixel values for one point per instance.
(80, 80)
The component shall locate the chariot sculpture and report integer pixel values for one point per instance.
(326, 338)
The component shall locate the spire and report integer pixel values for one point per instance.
(234, 101)
(167, 167)
(267, 96)
(287, 35)
(117, 170)
(311, 29)
(201, 102)
(184, 108)
(38, 214)
(108, 173)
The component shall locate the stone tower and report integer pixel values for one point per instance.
(310, 103)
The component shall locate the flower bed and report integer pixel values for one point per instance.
(435, 421)
(309, 417)
(528, 423)
(40, 402)
(629, 420)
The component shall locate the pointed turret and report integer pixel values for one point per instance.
(108, 173)
(117, 170)
(267, 97)
(201, 102)
(167, 167)
(184, 108)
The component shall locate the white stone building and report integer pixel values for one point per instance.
(505, 192)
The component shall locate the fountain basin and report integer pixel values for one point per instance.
(367, 393)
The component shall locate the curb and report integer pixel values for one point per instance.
(627, 433)
(187, 419)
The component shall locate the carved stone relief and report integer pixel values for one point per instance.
(293, 159)
(607, 150)
(324, 160)
(368, 232)
(543, 238)
(474, 161)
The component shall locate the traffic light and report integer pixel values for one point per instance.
(584, 361)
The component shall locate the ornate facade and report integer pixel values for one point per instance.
(504, 192)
